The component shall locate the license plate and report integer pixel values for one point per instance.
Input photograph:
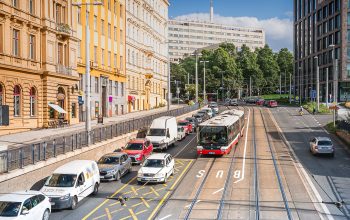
(102, 177)
(52, 203)
(143, 179)
(211, 152)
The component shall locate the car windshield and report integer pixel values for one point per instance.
(156, 132)
(154, 163)
(182, 123)
(134, 146)
(213, 106)
(213, 135)
(9, 209)
(202, 112)
(197, 116)
(324, 143)
(108, 160)
(61, 180)
(190, 119)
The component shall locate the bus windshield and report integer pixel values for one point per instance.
(213, 135)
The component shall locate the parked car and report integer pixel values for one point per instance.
(209, 111)
(193, 121)
(181, 134)
(163, 132)
(156, 169)
(201, 116)
(214, 107)
(186, 125)
(322, 145)
(72, 182)
(260, 102)
(25, 205)
(272, 104)
(138, 149)
(266, 103)
(113, 166)
(251, 100)
(233, 102)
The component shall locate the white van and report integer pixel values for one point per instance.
(72, 182)
(163, 132)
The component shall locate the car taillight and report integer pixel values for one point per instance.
(316, 147)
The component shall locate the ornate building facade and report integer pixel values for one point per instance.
(107, 57)
(146, 53)
(38, 72)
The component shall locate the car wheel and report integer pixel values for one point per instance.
(74, 203)
(95, 189)
(46, 214)
(139, 183)
(117, 177)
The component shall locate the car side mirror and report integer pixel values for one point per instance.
(25, 212)
(80, 183)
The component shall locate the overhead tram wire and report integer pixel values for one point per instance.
(256, 179)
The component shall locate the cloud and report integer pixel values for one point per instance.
(279, 32)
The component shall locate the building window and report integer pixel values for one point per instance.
(15, 3)
(109, 58)
(102, 27)
(110, 87)
(79, 49)
(95, 23)
(96, 85)
(79, 15)
(116, 89)
(31, 47)
(32, 95)
(115, 33)
(103, 57)
(348, 69)
(115, 60)
(31, 7)
(74, 110)
(58, 13)
(128, 55)
(1, 39)
(95, 54)
(60, 53)
(122, 88)
(109, 4)
(109, 30)
(15, 42)
(121, 63)
(17, 101)
(81, 81)
(1, 95)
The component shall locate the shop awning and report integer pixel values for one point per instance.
(58, 108)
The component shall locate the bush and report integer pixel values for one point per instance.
(347, 105)
(330, 128)
(310, 106)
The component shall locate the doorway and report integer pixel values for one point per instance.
(104, 101)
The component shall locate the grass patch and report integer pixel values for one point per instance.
(330, 128)
(275, 96)
(310, 106)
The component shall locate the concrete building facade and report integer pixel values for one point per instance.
(146, 46)
(107, 58)
(187, 36)
(322, 37)
(38, 47)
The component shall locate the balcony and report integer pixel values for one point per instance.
(64, 29)
(64, 69)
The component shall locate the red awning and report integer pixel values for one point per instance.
(131, 98)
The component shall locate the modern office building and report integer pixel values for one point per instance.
(107, 58)
(38, 71)
(187, 36)
(321, 38)
(146, 46)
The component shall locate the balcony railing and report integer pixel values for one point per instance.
(64, 69)
(64, 29)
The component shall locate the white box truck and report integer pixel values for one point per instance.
(163, 132)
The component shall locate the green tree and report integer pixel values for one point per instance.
(285, 61)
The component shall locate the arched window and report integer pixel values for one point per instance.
(17, 101)
(32, 95)
(1, 94)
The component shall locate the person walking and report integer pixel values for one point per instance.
(314, 111)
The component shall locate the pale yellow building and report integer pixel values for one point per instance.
(107, 57)
(38, 72)
(146, 53)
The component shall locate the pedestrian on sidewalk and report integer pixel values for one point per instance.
(314, 111)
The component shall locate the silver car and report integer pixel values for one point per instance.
(113, 166)
(321, 145)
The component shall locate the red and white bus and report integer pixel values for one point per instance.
(220, 134)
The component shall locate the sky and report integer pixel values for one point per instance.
(274, 16)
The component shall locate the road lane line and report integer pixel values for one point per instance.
(245, 150)
(109, 216)
(155, 192)
(168, 193)
(165, 217)
(218, 191)
(304, 174)
(104, 202)
(132, 214)
(195, 136)
(144, 201)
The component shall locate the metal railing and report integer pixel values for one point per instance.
(30, 154)
(63, 69)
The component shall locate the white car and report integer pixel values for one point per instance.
(181, 134)
(25, 205)
(321, 145)
(209, 112)
(156, 169)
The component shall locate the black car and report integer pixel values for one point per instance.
(193, 121)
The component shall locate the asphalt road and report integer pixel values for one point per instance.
(330, 176)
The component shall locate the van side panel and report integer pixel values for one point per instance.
(172, 125)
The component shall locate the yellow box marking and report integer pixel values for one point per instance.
(108, 214)
(137, 204)
(144, 201)
(155, 192)
(134, 191)
(132, 214)
(115, 211)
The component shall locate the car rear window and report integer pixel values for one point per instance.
(324, 143)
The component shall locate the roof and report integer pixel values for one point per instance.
(19, 196)
(137, 140)
(221, 120)
(236, 112)
(114, 154)
(323, 138)
(157, 156)
(73, 166)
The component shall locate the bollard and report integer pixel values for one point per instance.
(54, 147)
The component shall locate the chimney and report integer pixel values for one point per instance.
(211, 12)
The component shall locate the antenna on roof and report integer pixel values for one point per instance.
(211, 12)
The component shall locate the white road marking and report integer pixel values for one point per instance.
(218, 191)
(165, 217)
(200, 173)
(194, 203)
(219, 174)
(245, 150)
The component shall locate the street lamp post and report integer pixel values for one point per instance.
(317, 84)
(87, 69)
(204, 91)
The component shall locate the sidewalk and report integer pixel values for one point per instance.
(14, 140)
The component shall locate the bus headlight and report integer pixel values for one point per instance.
(200, 148)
